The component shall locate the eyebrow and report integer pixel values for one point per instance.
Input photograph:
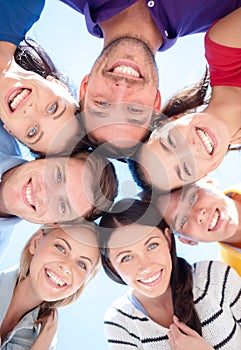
(37, 139)
(41, 134)
(94, 113)
(149, 239)
(183, 199)
(61, 113)
(70, 248)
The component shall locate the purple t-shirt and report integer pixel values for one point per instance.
(174, 18)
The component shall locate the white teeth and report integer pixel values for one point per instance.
(214, 220)
(151, 279)
(28, 195)
(126, 70)
(15, 101)
(55, 279)
(207, 140)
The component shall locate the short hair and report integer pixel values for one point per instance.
(105, 182)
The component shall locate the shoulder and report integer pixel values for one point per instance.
(215, 278)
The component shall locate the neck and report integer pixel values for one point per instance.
(6, 55)
(22, 302)
(225, 103)
(136, 22)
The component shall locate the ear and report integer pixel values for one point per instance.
(236, 138)
(83, 86)
(57, 81)
(36, 239)
(187, 241)
(168, 234)
(157, 103)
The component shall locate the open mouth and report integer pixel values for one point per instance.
(126, 69)
(214, 221)
(152, 279)
(207, 140)
(17, 97)
(55, 279)
(29, 196)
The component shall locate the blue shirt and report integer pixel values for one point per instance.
(25, 332)
(174, 18)
(17, 17)
(10, 156)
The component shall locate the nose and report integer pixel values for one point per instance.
(201, 215)
(65, 268)
(41, 201)
(30, 108)
(122, 89)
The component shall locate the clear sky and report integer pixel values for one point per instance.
(63, 33)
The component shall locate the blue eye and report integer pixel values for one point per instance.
(82, 265)
(60, 248)
(152, 246)
(62, 207)
(59, 175)
(53, 108)
(126, 258)
(193, 198)
(184, 220)
(33, 131)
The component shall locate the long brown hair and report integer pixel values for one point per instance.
(129, 211)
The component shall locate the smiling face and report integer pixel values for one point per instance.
(62, 262)
(122, 125)
(201, 213)
(48, 190)
(144, 265)
(187, 148)
(35, 110)
(124, 73)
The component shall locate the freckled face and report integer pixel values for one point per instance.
(144, 265)
(62, 262)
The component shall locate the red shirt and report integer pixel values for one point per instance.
(224, 63)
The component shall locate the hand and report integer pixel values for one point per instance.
(49, 324)
(182, 337)
(48, 330)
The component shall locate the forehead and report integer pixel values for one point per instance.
(78, 238)
(129, 236)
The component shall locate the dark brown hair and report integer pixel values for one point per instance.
(130, 211)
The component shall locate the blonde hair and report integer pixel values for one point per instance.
(24, 268)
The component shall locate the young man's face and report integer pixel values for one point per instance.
(120, 91)
(48, 190)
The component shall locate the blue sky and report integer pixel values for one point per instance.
(62, 32)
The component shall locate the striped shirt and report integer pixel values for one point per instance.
(217, 296)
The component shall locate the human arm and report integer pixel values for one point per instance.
(226, 31)
(17, 17)
(48, 330)
(182, 337)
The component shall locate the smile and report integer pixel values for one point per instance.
(55, 279)
(17, 97)
(126, 69)
(214, 220)
(207, 140)
(151, 279)
(29, 196)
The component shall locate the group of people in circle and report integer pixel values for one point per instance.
(70, 187)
